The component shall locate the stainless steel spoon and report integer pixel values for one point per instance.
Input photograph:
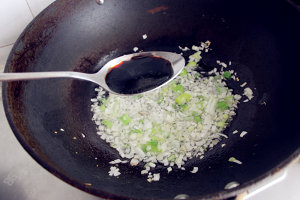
(176, 60)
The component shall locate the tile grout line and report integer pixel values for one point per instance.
(32, 17)
(29, 9)
(6, 45)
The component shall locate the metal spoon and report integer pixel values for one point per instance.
(176, 60)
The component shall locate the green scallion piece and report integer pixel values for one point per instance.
(221, 124)
(153, 144)
(156, 128)
(197, 119)
(184, 72)
(102, 107)
(219, 89)
(227, 75)
(184, 107)
(191, 64)
(161, 99)
(107, 123)
(183, 98)
(178, 88)
(222, 105)
(125, 119)
(172, 158)
(136, 131)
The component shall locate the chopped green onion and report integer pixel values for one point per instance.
(197, 119)
(200, 97)
(178, 88)
(196, 56)
(184, 107)
(144, 148)
(137, 96)
(125, 119)
(228, 99)
(153, 145)
(158, 138)
(107, 123)
(175, 106)
(222, 105)
(102, 107)
(156, 128)
(225, 116)
(233, 159)
(183, 98)
(217, 77)
(135, 131)
(165, 90)
(191, 128)
(184, 72)
(172, 158)
(191, 64)
(221, 124)
(218, 89)
(141, 121)
(161, 99)
(104, 101)
(197, 75)
(199, 126)
(227, 75)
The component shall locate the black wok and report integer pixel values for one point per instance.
(260, 38)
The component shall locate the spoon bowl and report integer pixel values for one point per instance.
(176, 60)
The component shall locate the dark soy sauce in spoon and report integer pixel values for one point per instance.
(139, 74)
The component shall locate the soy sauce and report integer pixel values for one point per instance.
(139, 74)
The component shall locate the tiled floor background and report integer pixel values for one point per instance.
(22, 177)
(14, 17)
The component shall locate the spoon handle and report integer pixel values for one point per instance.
(42, 75)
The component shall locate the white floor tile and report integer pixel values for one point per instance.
(14, 16)
(4, 52)
(37, 6)
(21, 178)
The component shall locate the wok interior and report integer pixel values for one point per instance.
(49, 116)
